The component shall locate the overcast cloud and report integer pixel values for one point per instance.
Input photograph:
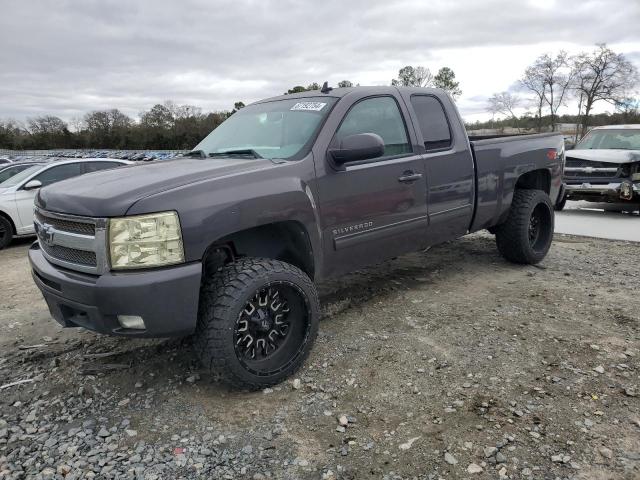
(70, 57)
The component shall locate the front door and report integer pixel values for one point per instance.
(374, 209)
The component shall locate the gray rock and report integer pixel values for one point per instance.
(474, 468)
(450, 459)
(490, 451)
(605, 452)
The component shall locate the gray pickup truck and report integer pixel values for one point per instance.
(227, 244)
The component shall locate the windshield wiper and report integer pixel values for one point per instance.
(196, 153)
(243, 151)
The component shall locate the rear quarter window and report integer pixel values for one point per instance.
(433, 122)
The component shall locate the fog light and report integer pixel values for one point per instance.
(131, 321)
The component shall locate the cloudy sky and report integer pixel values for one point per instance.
(70, 57)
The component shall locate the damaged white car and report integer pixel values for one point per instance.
(605, 167)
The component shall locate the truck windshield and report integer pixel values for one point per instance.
(279, 129)
(610, 139)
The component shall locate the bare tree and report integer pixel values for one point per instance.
(558, 75)
(505, 103)
(413, 77)
(424, 77)
(76, 123)
(534, 81)
(602, 75)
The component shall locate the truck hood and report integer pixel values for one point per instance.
(611, 156)
(111, 193)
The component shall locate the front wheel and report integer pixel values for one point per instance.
(525, 237)
(257, 322)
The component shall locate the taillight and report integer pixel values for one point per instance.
(552, 154)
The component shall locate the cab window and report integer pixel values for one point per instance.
(379, 115)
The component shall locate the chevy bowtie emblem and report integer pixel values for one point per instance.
(46, 234)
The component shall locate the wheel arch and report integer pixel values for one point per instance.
(539, 179)
(288, 241)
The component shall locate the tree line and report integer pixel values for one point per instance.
(552, 80)
(163, 126)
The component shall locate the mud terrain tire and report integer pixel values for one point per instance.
(526, 236)
(244, 308)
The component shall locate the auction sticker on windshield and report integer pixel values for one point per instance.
(313, 106)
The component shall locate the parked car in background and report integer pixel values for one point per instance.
(17, 193)
(604, 167)
(9, 170)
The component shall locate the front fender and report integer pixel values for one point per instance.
(215, 208)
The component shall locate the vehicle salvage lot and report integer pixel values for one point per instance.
(444, 362)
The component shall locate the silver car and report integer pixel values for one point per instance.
(18, 191)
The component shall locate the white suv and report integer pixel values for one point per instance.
(18, 192)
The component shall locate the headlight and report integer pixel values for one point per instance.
(144, 241)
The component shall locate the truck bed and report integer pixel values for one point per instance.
(500, 161)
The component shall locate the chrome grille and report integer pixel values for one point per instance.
(72, 255)
(73, 242)
(578, 168)
(82, 228)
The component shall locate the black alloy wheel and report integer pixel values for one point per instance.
(271, 328)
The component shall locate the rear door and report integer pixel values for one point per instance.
(373, 209)
(448, 165)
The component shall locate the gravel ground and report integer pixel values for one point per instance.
(449, 363)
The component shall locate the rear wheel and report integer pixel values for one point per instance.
(525, 237)
(257, 322)
(6, 232)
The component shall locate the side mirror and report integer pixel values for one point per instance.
(361, 146)
(32, 185)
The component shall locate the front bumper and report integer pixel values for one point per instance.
(615, 191)
(166, 299)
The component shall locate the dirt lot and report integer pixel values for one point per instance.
(449, 363)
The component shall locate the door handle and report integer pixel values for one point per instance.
(409, 177)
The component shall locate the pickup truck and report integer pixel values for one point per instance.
(605, 167)
(228, 243)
